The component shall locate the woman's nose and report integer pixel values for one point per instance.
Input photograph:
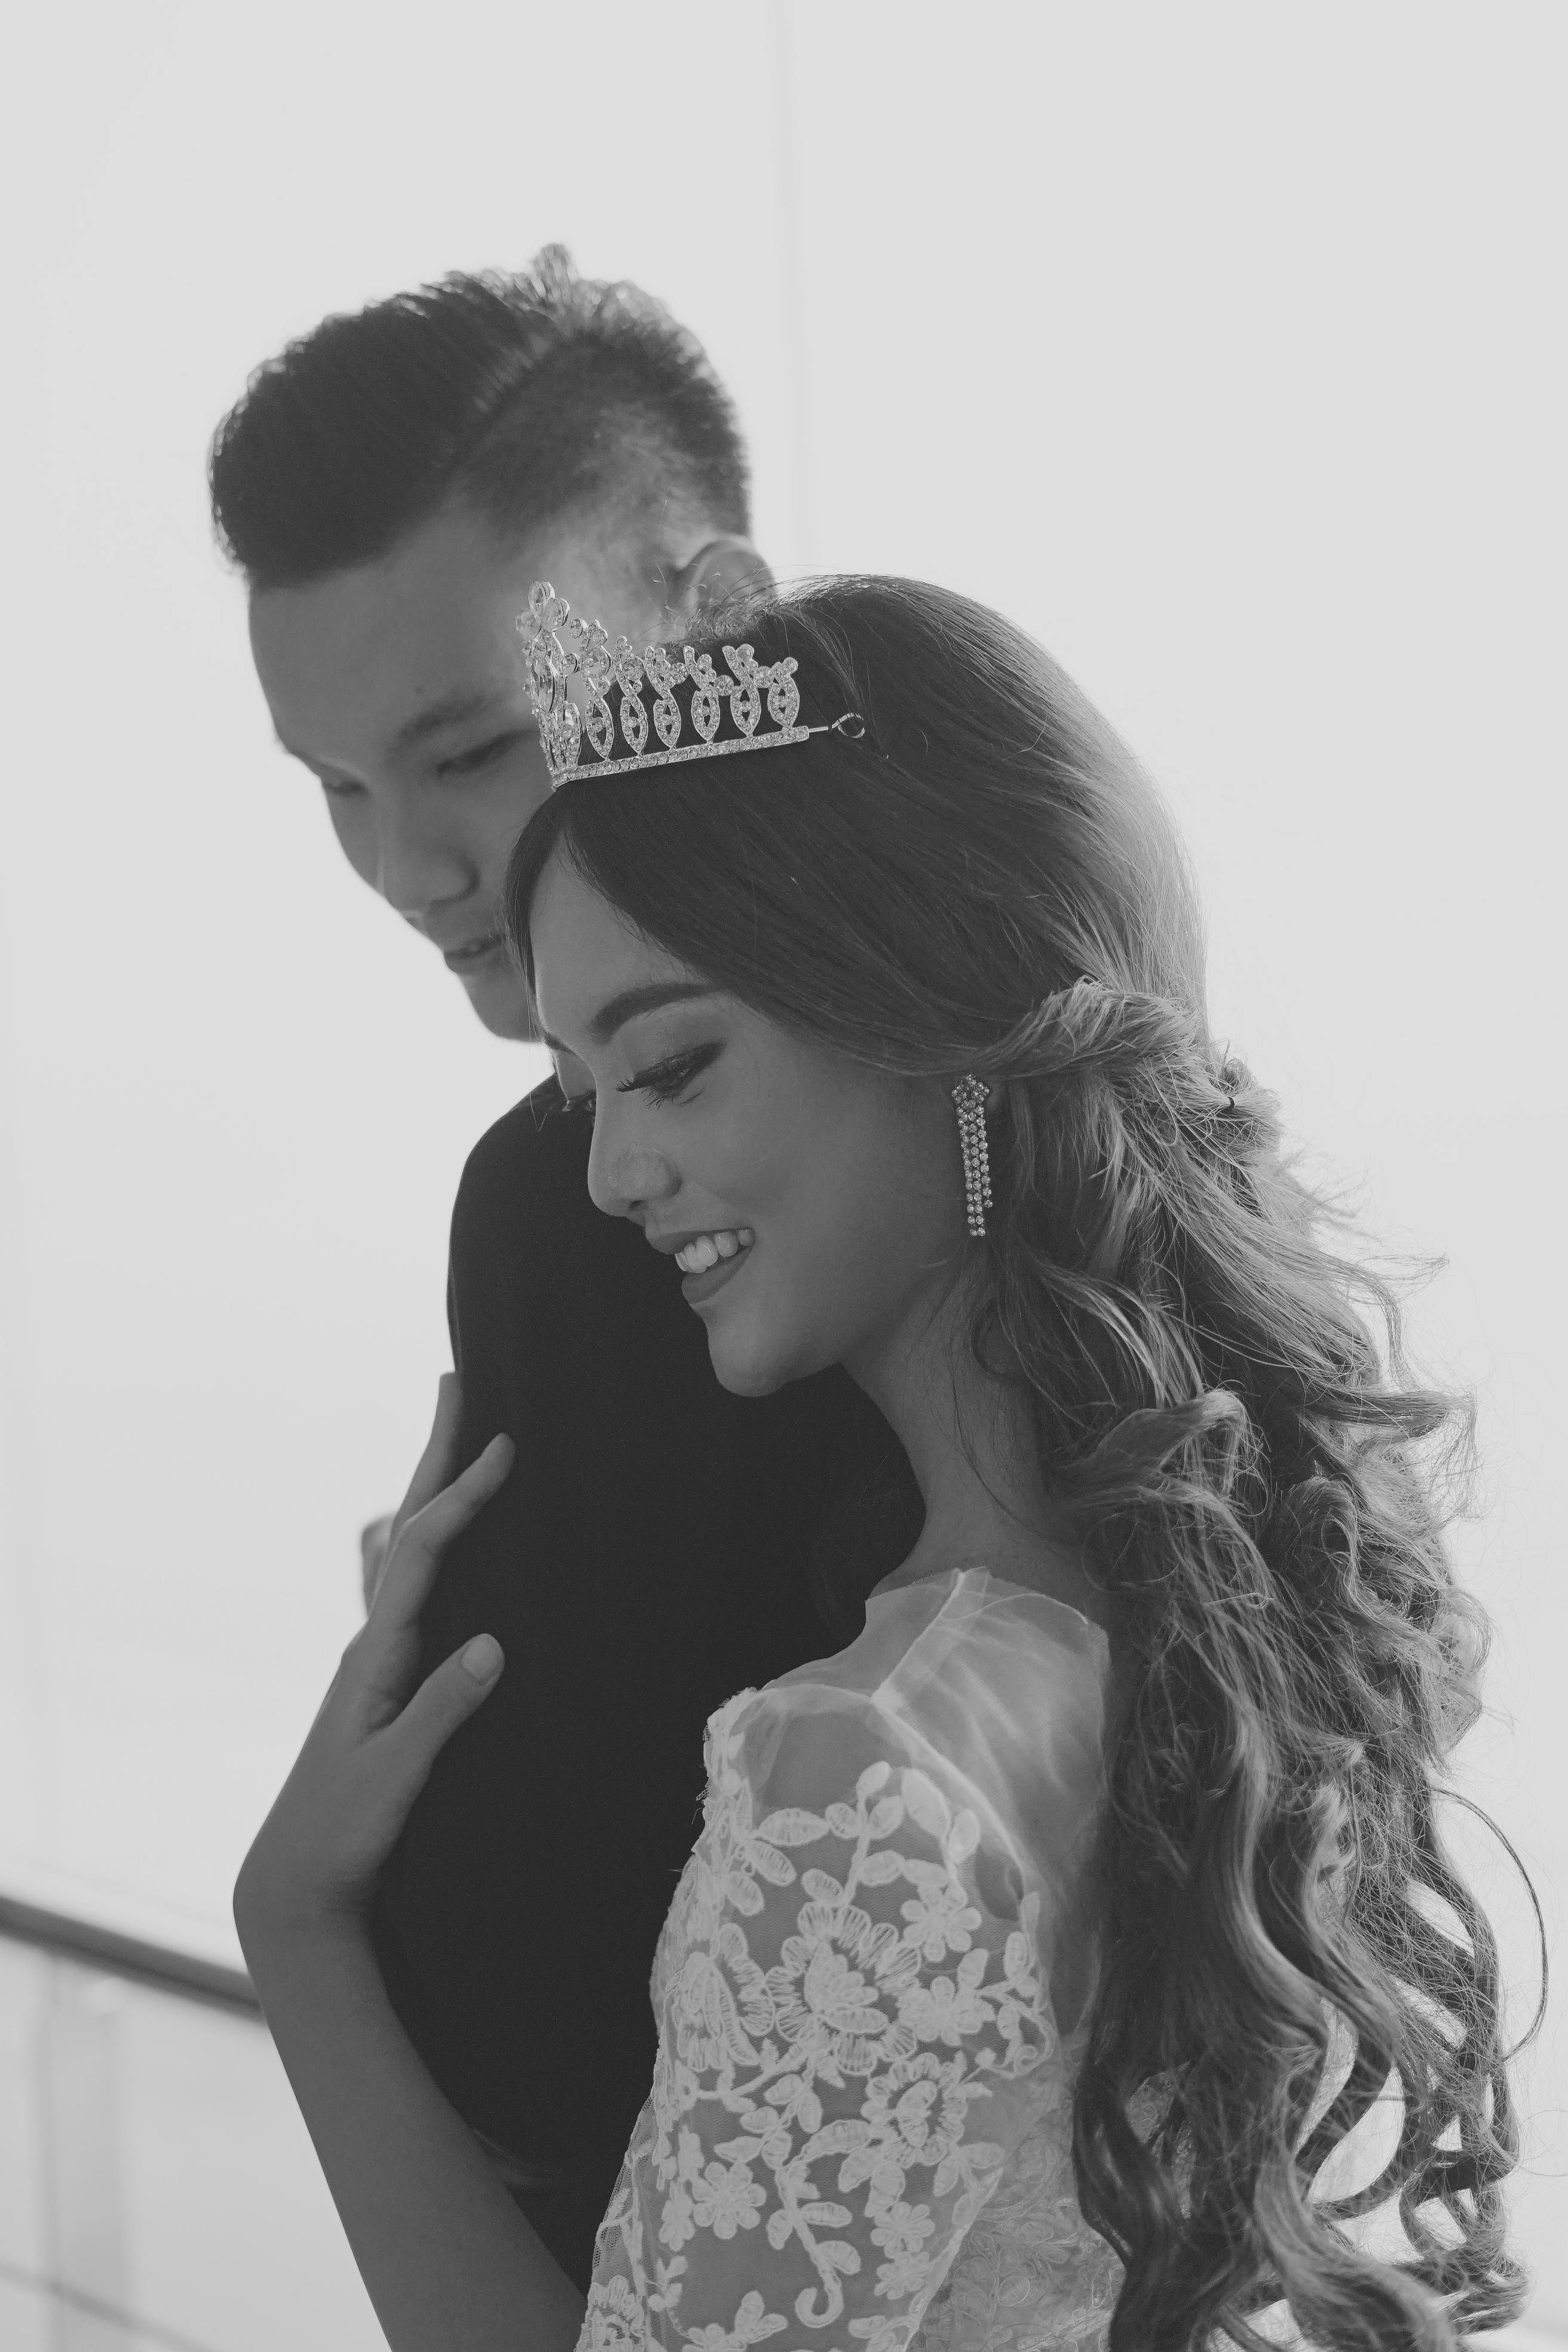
(626, 1173)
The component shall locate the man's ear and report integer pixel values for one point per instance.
(724, 568)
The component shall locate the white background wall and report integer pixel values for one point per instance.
(1223, 347)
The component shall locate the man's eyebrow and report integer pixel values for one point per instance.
(618, 1010)
(454, 709)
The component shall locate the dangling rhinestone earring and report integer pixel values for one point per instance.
(969, 1097)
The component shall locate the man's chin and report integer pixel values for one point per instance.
(501, 1000)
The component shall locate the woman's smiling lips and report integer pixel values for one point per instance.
(700, 1280)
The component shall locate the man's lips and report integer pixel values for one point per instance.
(473, 951)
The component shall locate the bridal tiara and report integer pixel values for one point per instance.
(559, 645)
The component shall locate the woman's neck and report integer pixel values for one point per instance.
(971, 1444)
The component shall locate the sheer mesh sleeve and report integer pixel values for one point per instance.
(853, 2036)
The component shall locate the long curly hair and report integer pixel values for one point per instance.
(986, 881)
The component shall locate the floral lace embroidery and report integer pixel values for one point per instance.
(833, 2059)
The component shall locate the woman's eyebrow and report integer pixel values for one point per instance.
(616, 1011)
(619, 1010)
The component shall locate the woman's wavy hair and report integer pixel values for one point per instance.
(986, 881)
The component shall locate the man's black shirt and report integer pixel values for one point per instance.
(645, 1559)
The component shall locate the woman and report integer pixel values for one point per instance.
(1040, 1948)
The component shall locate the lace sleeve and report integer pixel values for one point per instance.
(850, 2009)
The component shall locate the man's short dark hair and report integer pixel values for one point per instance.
(527, 396)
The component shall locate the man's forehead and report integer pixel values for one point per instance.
(424, 640)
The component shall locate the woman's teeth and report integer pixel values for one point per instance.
(708, 1249)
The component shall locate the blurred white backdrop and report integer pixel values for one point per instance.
(1223, 347)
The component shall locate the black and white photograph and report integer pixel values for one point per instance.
(779, 1562)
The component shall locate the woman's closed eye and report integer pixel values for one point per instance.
(663, 1081)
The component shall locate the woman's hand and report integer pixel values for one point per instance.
(316, 1856)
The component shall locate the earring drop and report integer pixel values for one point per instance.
(969, 1095)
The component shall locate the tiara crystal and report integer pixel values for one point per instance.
(559, 645)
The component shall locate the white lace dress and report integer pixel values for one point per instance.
(857, 2137)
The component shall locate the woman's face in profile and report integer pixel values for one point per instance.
(814, 1207)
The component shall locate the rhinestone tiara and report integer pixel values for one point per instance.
(559, 645)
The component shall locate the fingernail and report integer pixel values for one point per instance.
(483, 1658)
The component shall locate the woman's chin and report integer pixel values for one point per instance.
(746, 1361)
(744, 1372)
(750, 1363)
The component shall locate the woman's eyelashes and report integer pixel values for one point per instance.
(663, 1081)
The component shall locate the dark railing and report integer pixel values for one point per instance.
(128, 1955)
(93, 2306)
(63, 1936)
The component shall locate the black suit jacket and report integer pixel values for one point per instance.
(650, 1555)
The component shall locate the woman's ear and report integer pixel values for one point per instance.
(724, 568)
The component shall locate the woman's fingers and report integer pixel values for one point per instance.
(367, 1754)
(435, 1465)
(446, 1698)
(343, 1806)
(374, 1543)
(447, 1513)
(421, 1538)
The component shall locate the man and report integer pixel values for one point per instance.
(390, 487)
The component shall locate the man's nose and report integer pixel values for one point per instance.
(418, 861)
(626, 1174)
